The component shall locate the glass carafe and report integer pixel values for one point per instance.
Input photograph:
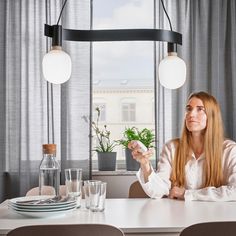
(49, 171)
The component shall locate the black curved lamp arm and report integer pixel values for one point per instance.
(115, 35)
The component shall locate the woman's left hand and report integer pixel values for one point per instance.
(177, 193)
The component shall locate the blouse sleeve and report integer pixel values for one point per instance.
(159, 184)
(227, 192)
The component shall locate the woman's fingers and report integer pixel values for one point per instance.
(142, 157)
(138, 154)
(177, 193)
(133, 145)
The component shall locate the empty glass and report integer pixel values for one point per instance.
(97, 195)
(102, 197)
(74, 183)
(86, 191)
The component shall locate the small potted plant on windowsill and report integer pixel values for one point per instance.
(104, 149)
(146, 136)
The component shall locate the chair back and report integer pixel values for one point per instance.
(67, 230)
(47, 191)
(136, 191)
(227, 228)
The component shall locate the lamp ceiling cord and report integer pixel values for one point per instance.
(61, 12)
(163, 6)
(171, 47)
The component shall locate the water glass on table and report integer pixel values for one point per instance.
(97, 196)
(73, 177)
(102, 198)
(86, 191)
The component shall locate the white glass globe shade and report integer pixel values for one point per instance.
(56, 66)
(172, 71)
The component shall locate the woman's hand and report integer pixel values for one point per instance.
(177, 193)
(142, 156)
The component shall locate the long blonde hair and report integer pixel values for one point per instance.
(213, 145)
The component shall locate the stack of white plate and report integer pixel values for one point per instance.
(41, 206)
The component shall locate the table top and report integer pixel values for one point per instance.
(133, 215)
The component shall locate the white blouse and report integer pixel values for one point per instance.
(159, 184)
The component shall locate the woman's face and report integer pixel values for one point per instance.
(195, 115)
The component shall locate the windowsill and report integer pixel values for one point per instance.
(113, 173)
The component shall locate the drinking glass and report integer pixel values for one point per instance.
(86, 191)
(73, 183)
(97, 195)
(102, 197)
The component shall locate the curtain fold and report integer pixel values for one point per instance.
(163, 96)
(2, 96)
(76, 93)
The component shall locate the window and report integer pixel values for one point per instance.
(123, 72)
(128, 112)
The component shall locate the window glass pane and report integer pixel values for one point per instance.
(123, 72)
(128, 111)
(121, 14)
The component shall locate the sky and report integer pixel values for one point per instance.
(123, 60)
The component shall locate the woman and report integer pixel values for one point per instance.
(200, 165)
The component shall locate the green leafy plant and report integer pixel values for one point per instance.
(146, 136)
(103, 136)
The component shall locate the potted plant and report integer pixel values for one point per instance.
(104, 149)
(146, 136)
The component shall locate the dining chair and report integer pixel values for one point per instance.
(225, 228)
(136, 191)
(67, 230)
(47, 191)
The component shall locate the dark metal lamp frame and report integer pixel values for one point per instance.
(57, 33)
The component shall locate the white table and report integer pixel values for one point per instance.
(134, 216)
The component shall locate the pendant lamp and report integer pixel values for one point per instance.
(57, 66)
(57, 63)
(172, 69)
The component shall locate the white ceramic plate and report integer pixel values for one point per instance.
(43, 214)
(42, 209)
(19, 202)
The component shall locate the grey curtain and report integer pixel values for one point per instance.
(27, 100)
(209, 50)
